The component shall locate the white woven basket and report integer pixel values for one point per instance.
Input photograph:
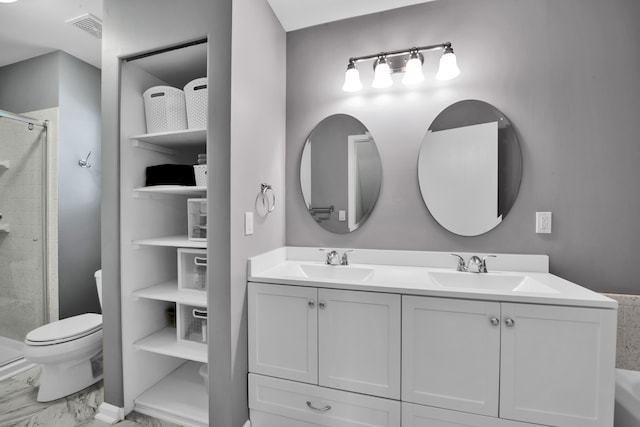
(200, 172)
(164, 109)
(196, 93)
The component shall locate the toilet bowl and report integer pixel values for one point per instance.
(70, 352)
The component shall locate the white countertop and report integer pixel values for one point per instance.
(418, 272)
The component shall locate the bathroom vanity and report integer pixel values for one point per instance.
(400, 338)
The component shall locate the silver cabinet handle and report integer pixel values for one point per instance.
(322, 304)
(312, 303)
(494, 321)
(325, 408)
(509, 322)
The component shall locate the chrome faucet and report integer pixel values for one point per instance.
(344, 260)
(475, 263)
(333, 258)
(479, 265)
(461, 264)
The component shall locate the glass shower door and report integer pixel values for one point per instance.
(23, 305)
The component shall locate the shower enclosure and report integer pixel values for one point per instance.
(23, 238)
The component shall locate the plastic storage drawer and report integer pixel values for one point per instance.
(192, 269)
(192, 323)
(197, 219)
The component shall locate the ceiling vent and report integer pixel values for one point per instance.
(89, 23)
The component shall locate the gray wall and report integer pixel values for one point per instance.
(257, 156)
(564, 72)
(30, 85)
(60, 80)
(79, 191)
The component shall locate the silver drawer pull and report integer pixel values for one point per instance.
(325, 408)
(322, 304)
(494, 321)
(312, 303)
(509, 322)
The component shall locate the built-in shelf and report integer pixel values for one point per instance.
(166, 342)
(180, 397)
(5, 228)
(172, 242)
(174, 139)
(5, 164)
(169, 291)
(180, 190)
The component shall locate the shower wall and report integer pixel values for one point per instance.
(22, 238)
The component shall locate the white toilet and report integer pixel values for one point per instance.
(70, 352)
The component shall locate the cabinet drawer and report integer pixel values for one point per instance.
(320, 406)
(426, 416)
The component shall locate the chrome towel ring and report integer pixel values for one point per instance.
(267, 199)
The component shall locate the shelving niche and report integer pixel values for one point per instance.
(161, 376)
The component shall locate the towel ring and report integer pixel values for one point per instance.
(268, 203)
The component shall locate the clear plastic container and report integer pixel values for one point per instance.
(192, 269)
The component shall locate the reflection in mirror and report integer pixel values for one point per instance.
(469, 167)
(340, 173)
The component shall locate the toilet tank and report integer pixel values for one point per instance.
(98, 276)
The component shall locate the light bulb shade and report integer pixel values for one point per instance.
(413, 71)
(448, 68)
(352, 79)
(382, 75)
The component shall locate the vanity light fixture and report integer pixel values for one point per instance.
(382, 73)
(8, 1)
(352, 79)
(408, 61)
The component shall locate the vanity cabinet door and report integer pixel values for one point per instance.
(359, 342)
(451, 354)
(283, 331)
(558, 365)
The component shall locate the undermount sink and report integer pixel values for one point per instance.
(336, 272)
(490, 282)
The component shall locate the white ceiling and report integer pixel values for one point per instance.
(296, 14)
(30, 28)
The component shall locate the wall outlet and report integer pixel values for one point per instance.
(342, 215)
(248, 223)
(543, 222)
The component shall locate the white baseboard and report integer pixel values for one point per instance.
(109, 413)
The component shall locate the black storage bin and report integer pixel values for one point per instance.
(170, 175)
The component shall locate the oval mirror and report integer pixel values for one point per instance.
(340, 173)
(470, 167)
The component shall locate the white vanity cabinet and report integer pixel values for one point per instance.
(557, 364)
(532, 363)
(347, 340)
(283, 332)
(451, 354)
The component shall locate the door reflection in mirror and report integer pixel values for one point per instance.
(340, 173)
(470, 167)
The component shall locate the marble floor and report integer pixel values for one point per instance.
(19, 407)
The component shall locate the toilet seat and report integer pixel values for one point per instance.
(65, 330)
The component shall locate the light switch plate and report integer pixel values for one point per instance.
(342, 215)
(248, 223)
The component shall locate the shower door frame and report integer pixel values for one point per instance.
(46, 312)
